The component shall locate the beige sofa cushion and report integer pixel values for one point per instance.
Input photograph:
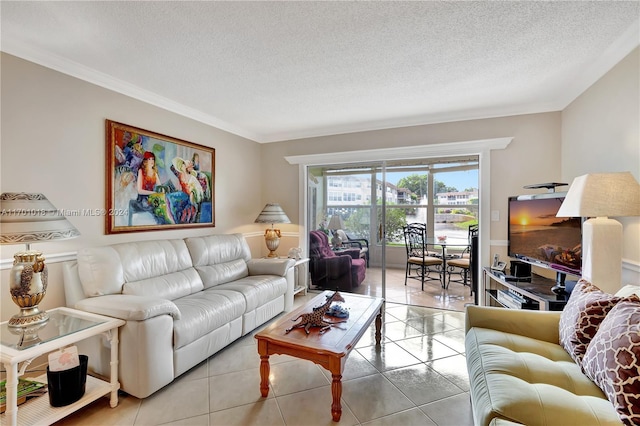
(170, 286)
(628, 290)
(100, 271)
(145, 268)
(198, 318)
(219, 259)
(529, 381)
(257, 290)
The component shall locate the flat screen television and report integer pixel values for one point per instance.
(538, 237)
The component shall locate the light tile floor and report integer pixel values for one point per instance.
(418, 376)
(454, 297)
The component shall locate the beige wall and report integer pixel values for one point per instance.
(601, 133)
(532, 157)
(53, 142)
(598, 132)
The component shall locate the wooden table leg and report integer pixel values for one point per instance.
(336, 392)
(264, 375)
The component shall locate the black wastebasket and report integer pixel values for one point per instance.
(67, 386)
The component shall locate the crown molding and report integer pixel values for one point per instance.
(98, 78)
(433, 150)
(395, 123)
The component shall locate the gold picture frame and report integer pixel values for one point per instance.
(156, 182)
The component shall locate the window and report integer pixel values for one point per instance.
(442, 193)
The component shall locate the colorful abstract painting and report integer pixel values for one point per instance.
(156, 182)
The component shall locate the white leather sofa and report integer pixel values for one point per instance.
(183, 300)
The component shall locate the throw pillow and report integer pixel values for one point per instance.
(612, 359)
(586, 308)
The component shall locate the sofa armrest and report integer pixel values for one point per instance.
(129, 307)
(540, 325)
(276, 266)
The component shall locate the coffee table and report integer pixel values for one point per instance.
(329, 349)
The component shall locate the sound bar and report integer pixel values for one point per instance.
(506, 277)
(517, 279)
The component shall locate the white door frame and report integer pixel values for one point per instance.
(482, 148)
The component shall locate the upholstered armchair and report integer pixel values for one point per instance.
(343, 271)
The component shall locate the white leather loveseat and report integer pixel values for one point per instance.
(183, 300)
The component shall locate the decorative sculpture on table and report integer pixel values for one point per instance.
(316, 318)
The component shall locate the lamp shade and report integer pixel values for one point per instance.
(25, 219)
(335, 223)
(29, 218)
(602, 194)
(272, 213)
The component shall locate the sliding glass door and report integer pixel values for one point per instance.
(376, 200)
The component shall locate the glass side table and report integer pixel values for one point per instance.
(65, 327)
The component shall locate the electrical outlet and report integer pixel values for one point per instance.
(495, 215)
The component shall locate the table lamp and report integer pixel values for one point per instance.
(25, 219)
(272, 213)
(598, 196)
(334, 224)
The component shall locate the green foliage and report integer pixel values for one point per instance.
(419, 184)
(465, 225)
(358, 223)
(396, 219)
(441, 187)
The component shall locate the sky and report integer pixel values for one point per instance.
(540, 212)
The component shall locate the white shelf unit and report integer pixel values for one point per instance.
(38, 411)
(301, 276)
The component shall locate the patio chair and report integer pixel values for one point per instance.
(418, 259)
(462, 264)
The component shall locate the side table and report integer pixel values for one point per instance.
(301, 276)
(65, 327)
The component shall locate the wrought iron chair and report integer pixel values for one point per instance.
(360, 243)
(420, 225)
(418, 259)
(463, 263)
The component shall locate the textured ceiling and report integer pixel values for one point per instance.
(283, 70)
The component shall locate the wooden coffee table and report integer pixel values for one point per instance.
(329, 349)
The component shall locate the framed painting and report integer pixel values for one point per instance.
(157, 182)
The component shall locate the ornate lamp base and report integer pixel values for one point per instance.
(28, 317)
(272, 239)
(28, 332)
(28, 286)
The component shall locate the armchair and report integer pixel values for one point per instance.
(343, 271)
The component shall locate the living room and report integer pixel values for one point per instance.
(53, 142)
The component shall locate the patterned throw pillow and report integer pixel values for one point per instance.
(612, 359)
(586, 308)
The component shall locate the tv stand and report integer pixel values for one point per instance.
(560, 288)
(535, 294)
